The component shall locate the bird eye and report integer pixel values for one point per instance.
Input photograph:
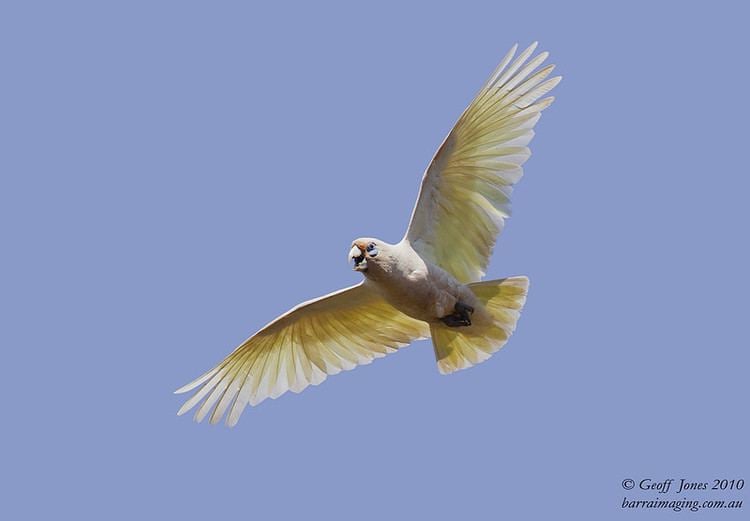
(371, 249)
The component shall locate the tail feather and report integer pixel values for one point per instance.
(462, 347)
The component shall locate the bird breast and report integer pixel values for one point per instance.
(418, 289)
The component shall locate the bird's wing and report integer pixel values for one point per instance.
(465, 193)
(339, 331)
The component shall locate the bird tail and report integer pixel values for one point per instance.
(462, 347)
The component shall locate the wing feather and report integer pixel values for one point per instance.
(465, 193)
(315, 339)
(515, 66)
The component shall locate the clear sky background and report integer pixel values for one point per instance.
(176, 174)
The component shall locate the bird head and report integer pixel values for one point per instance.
(364, 253)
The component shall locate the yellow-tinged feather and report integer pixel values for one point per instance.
(465, 347)
(321, 337)
(460, 210)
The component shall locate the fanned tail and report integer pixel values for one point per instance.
(462, 347)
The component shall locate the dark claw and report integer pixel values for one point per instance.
(461, 316)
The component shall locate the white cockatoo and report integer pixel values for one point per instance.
(427, 285)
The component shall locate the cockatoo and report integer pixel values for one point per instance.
(427, 285)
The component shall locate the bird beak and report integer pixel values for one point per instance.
(357, 255)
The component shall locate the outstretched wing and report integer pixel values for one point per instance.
(465, 193)
(339, 331)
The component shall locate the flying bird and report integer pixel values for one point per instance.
(425, 286)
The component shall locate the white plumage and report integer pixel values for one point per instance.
(474, 170)
(424, 286)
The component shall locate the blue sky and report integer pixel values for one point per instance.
(160, 160)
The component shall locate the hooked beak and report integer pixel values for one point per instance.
(357, 254)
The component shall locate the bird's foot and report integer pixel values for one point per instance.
(460, 317)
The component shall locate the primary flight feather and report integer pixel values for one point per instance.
(424, 286)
